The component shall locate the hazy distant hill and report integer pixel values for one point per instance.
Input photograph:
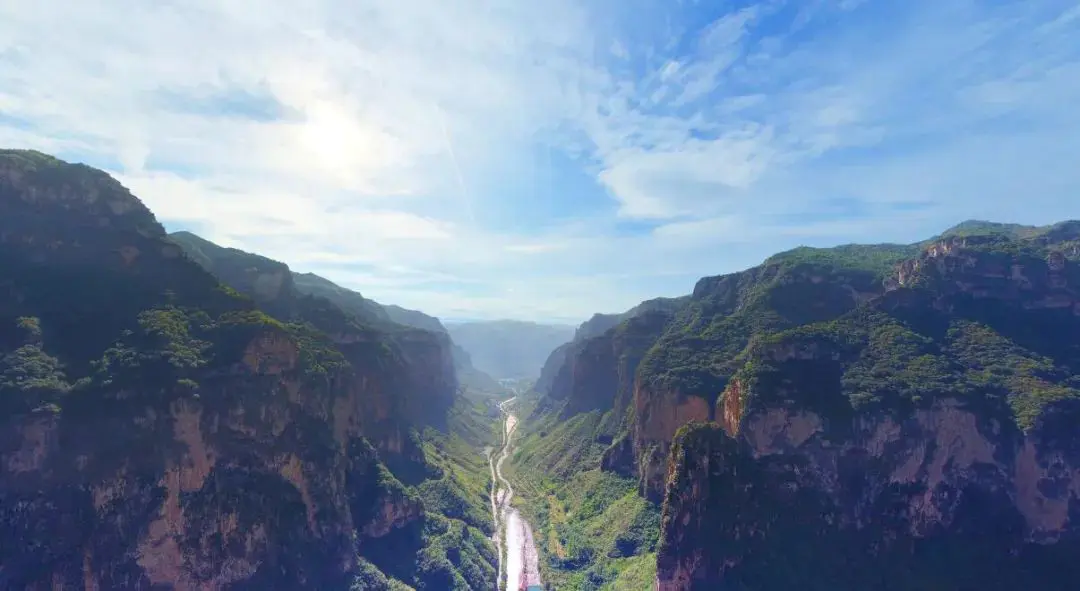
(509, 348)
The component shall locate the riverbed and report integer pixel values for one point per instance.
(517, 556)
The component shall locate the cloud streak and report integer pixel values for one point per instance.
(372, 142)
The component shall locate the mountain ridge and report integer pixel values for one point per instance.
(162, 429)
(745, 345)
(270, 276)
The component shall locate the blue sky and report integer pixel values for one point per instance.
(548, 160)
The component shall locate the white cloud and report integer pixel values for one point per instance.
(360, 139)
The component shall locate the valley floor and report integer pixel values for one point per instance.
(512, 533)
(593, 531)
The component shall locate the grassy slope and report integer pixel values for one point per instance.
(458, 554)
(592, 529)
(464, 490)
(459, 520)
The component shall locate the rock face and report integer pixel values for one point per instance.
(925, 439)
(158, 431)
(285, 294)
(592, 328)
(409, 377)
(596, 372)
(944, 498)
(862, 417)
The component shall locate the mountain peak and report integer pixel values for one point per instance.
(32, 183)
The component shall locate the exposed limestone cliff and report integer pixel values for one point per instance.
(658, 416)
(408, 378)
(593, 328)
(243, 484)
(692, 360)
(880, 416)
(923, 440)
(156, 430)
(598, 373)
(943, 498)
(991, 268)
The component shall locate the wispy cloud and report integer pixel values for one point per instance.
(384, 144)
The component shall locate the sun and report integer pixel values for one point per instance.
(342, 143)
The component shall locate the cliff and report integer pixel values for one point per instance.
(682, 376)
(597, 530)
(596, 372)
(920, 440)
(160, 430)
(285, 294)
(407, 377)
(592, 328)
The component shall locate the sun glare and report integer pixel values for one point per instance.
(342, 144)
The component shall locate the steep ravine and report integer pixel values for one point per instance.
(884, 417)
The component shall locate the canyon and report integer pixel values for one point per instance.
(174, 414)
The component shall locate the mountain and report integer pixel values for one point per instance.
(898, 417)
(312, 284)
(509, 348)
(861, 417)
(159, 429)
(263, 279)
(557, 376)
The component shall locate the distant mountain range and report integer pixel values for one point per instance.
(509, 348)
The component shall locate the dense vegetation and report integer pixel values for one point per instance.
(285, 293)
(110, 329)
(905, 351)
(934, 341)
(592, 529)
(452, 549)
(988, 318)
(784, 533)
(699, 351)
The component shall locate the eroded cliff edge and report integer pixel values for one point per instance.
(925, 439)
(159, 429)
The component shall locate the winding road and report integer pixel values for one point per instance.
(521, 563)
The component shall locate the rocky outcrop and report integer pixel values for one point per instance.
(924, 440)
(408, 376)
(305, 296)
(593, 328)
(226, 489)
(684, 374)
(589, 379)
(787, 501)
(552, 366)
(658, 416)
(167, 433)
(984, 268)
(599, 374)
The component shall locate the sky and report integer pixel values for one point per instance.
(547, 160)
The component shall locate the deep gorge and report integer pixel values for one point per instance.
(176, 414)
